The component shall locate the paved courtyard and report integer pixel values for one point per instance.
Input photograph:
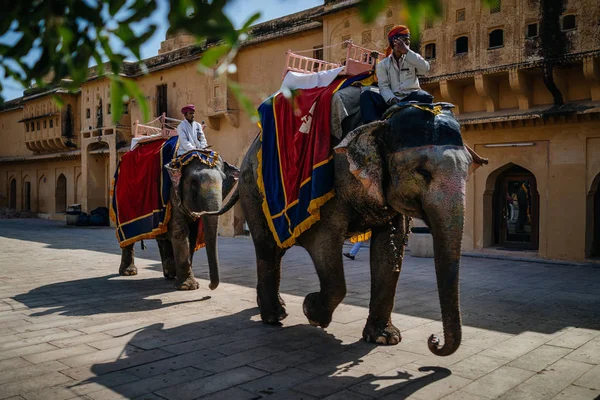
(71, 327)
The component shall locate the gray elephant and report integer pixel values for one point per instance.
(413, 164)
(201, 188)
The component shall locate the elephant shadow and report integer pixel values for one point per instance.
(100, 295)
(202, 358)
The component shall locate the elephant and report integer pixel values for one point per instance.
(386, 172)
(201, 188)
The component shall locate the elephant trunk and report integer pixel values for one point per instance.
(211, 225)
(445, 217)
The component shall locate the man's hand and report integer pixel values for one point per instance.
(394, 100)
(400, 46)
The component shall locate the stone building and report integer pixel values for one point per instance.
(539, 192)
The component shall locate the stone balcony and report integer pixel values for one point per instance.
(49, 140)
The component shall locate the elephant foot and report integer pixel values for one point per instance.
(272, 315)
(128, 270)
(281, 301)
(169, 274)
(315, 310)
(381, 332)
(187, 284)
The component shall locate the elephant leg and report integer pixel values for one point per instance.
(268, 255)
(127, 267)
(384, 279)
(179, 233)
(167, 257)
(268, 263)
(325, 249)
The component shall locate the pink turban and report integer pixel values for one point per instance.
(188, 108)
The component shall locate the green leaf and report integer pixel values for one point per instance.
(211, 56)
(370, 9)
(250, 21)
(116, 97)
(133, 91)
(115, 6)
(244, 101)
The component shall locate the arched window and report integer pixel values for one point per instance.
(496, 38)
(462, 45)
(430, 51)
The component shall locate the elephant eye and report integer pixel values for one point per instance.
(424, 173)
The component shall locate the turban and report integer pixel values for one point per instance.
(398, 30)
(188, 108)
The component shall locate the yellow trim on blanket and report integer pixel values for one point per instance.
(361, 237)
(313, 207)
(162, 228)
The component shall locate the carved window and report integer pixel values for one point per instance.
(366, 37)
(428, 23)
(386, 30)
(496, 7)
(390, 14)
(318, 52)
(32, 127)
(44, 124)
(344, 41)
(496, 38)
(51, 123)
(461, 45)
(532, 31)
(108, 109)
(460, 15)
(430, 51)
(126, 108)
(569, 22)
(26, 127)
(87, 113)
(38, 125)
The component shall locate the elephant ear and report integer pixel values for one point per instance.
(478, 161)
(362, 150)
(232, 174)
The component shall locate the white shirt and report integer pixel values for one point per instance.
(399, 79)
(191, 137)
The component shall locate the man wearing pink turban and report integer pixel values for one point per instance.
(396, 76)
(191, 135)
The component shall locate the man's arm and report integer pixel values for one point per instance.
(417, 61)
(202, 138)
(383, 79)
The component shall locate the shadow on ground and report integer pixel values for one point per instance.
(205, 357)
(105, 294)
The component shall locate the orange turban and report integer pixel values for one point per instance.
(398, 30)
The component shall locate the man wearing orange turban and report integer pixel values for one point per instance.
(397, 77)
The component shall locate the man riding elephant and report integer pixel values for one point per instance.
(397, 77)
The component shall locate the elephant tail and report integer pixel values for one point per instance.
(230, 201)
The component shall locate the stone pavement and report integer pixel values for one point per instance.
(71, 327)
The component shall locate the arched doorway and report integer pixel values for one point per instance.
(12, 199)
(60, 195)
(516, 209)
(594, 220)
(26, 194)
